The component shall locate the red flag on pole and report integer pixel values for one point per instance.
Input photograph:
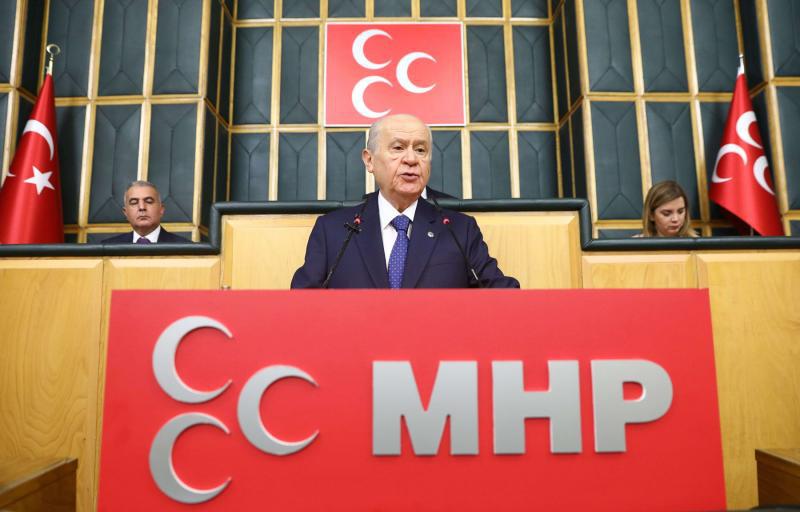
(741, 182)
(30, 199)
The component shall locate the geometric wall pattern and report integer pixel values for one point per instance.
(217, 100)
(643, 91)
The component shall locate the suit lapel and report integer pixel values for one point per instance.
(370, 244)
(421, 245)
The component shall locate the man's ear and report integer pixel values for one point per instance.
(366, 156)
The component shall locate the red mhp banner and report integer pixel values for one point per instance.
(379, 400)
(376, 69)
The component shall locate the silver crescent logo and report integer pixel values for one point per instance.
(357, 96)
(358, 49)
(248, 410)
(164, 360)
(724, 150)
(163, 471)
(35, 126)
(402, 72)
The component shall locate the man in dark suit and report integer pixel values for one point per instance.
(143, 209)
(399, 241)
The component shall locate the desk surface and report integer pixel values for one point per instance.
(20, 476)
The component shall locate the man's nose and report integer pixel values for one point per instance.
(411, 156)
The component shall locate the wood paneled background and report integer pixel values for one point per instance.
(218, 100)
(54, 314)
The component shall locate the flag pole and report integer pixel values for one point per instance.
(52, 51)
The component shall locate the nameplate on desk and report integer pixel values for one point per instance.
(411, 400)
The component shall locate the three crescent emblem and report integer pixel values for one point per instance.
(247, 411)
(760, 165)
(401, 73)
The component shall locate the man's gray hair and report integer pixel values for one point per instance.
(143, 183)
(375, 131)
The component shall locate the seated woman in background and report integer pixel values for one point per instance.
(666, 212)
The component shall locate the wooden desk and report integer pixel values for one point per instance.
(778, 477)
(28, 485)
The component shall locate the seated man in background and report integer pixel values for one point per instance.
(143, 209)
(398, 241)
(666, 212)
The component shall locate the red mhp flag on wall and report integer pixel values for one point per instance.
(376, 69)
(741, 182)
(30, 199)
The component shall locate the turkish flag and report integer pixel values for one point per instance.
(741, 182)
(30, 199)
(376, 69)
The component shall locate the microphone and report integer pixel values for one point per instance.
(353, 228)
(473, 276)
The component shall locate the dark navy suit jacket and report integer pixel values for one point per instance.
(165, 237)
(433, 261)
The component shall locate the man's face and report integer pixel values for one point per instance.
(402, 162)
(143, 209)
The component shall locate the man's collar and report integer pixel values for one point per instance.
(387, 212)
(152, 236)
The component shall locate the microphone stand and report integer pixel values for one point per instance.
(353, 228)
(473, 276)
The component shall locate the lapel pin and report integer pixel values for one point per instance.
(430, 234)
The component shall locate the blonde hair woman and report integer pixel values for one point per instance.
(666, 212)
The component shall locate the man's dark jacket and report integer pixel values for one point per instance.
(165, 237)
(433, 261)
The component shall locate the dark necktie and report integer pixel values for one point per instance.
(397, 258)
(143, 240)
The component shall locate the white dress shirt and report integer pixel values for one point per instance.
(387, 214)
(152, 236)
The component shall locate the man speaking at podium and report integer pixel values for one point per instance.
(394, 239)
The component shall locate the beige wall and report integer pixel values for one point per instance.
(54, 313)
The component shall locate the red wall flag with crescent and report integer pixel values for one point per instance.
(741, 182)
(376, 69)
(30, 199)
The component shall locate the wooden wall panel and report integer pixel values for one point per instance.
(166, 273)
(263, 251)
(636, 270)
(50, 318)
(542, 250)
(756, 321)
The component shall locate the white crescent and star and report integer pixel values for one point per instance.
(34, 126)
(41, 180)
(358, 49)
(402, 72)
(37, 127)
